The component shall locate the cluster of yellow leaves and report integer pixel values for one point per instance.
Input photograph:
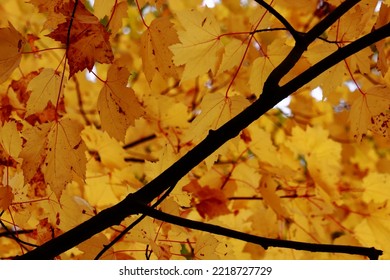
(74, 142)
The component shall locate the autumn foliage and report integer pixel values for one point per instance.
(148, 129)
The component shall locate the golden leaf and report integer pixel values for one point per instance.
(11, 46)
(376, 187)
(321, 155)
(33, 152)
(65, 158)
(44, 88)
(10, 139)
(117, 104)
(200, 49)
(205, 247)
(216, 110)
(155, 52)
(115, 10)
(93, 246)
(267, 189)
(366, 108)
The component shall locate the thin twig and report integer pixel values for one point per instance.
(12, 234)
(132, 225)
(296, 35)
(139, 141)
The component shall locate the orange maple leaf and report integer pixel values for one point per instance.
(87, 42)
(56, 148)
(6, 197)
(52, 8)
(208, 201)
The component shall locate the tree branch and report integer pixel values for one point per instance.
(371, 253)
(334, 58)
(296, 35)
(300, 47)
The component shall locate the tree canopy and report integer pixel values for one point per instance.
(145, 129)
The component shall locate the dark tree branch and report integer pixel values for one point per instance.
(14, 235)
(300, 47)
(132, 225)
(370, 253)
(269, 98)
(271, 10)
(139, 141)
(334, 58)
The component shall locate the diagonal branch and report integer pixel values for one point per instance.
(370, 253)
(300, 47)
(338, 56)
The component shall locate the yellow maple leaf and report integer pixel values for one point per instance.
(366, 108)
(117, 104)
(111, 153)
(376, 187)
(33, 152)
(321, 155)
(145, 233)
(10, 139)
(102, 8)
(374, 228)
(165, 111)
(233, 55)
(263, 147)
(262, 66)
(361, 61)
(155, 52)
(267, 189)
(167, 157)
(216, 110)
(65, 158)
(93, 246)
(115, 10)
(205, 247)
(11, 46)
(56, 148)
(200, 49)
(334, 74)
(44, 88)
